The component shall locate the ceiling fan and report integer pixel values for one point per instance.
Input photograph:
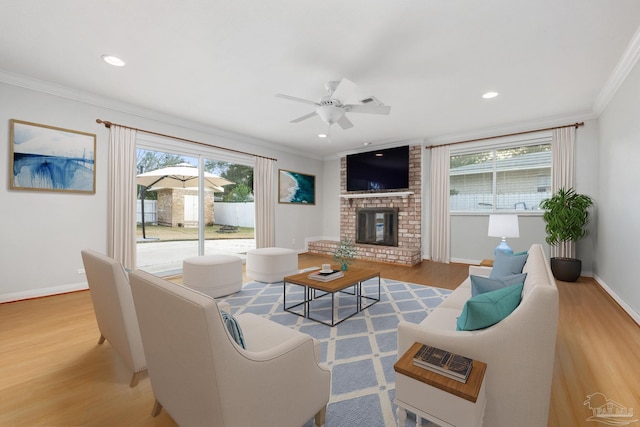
(342, 97)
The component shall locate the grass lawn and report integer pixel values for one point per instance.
(181, 233)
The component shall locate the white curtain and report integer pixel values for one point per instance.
(563, 175)
(440, 204)
(122, 219)
(263, 189)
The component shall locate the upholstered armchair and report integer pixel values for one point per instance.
(201, 376)
(115, 313)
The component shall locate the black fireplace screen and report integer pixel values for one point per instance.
(377, 226)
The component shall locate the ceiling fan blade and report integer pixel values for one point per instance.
(345, 123)
(346, 92)
(294, 98)
(368, 108)
(305, 117)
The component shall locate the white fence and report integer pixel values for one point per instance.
(484, 202)
(240, 214)
(150, 212)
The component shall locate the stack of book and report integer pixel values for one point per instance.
(443, 362)
(325, 276)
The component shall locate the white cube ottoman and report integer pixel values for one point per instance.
(270, 265)
(214, 275)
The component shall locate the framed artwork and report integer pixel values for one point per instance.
(297, 188)
(47, 158)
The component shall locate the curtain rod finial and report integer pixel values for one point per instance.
(105, 123)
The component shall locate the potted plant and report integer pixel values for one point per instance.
(566, 215)
(345, 253)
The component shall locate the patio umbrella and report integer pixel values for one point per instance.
(183, 175)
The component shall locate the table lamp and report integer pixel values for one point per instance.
(503, 226)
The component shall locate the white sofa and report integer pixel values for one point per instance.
(519, 350)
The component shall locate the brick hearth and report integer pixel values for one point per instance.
(409, 249)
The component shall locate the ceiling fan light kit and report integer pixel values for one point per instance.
(342, 98)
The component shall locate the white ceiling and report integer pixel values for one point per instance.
(220, 63)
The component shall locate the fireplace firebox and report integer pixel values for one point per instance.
(377, 226)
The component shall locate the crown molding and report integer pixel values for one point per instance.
(379, 146)
(134, 110)
(526, 126)
(618, 76)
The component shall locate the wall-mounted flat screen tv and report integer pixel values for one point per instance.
(380, 170)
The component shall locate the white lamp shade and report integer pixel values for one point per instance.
(503, 226)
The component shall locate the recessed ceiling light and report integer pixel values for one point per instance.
(113, 60)
(366, 144)
(322, 135)
(490, 95)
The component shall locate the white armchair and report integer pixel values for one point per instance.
(115, 313)
(202, 377)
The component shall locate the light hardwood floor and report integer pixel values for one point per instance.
(53, 372)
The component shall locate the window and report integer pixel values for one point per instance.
(504, 178)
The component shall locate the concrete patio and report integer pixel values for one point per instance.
(165, 258)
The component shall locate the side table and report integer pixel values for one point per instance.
(486, 263)
(444, 401)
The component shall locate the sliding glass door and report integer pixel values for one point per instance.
(170, 201)
(192, 205)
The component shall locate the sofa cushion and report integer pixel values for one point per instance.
(442, 318)
(480, 284)
(458, 297)
(507, 265)
(487, 309)
(234, 328)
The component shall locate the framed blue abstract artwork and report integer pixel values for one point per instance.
(295, 187)
(47, 158)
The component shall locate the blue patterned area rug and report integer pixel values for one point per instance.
(361, 351)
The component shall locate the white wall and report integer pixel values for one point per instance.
(618, 227)
(331, 206)
(42, 233)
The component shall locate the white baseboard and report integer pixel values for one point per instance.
(465, 261)
(626, 307)
(44, 292)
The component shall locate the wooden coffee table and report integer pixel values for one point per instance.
(314, 290)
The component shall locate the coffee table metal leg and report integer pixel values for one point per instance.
(333, 309)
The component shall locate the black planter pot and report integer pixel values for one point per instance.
(566, 269)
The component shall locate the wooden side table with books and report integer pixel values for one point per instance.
(445, 401)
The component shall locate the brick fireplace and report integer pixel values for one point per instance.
(409, 225)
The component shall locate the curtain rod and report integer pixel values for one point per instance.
(108, 125)
(577, 125)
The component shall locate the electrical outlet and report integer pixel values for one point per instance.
(81, 271)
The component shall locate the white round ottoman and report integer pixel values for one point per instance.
(270, 265)
(214, 275)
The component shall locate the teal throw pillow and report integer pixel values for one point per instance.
(489, 308)
(481, 284)
(233, 327)
(506, 264)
